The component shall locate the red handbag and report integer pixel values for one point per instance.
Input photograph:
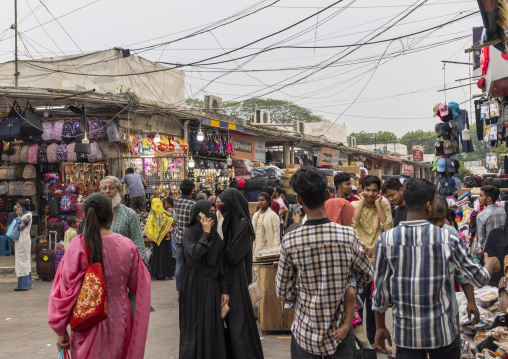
(91, 306)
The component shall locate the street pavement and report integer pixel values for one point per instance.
(26, 334)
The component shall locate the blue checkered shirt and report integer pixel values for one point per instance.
(319, 256)
(182, 213)
(413, 273)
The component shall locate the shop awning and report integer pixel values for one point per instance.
(391, 159)
(221, 124)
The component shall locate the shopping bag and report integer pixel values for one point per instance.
(13, 231)
(64, 354)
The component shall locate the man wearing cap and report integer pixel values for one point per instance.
(354, 190)
(492, 216)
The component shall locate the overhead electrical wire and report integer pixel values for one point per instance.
(59, 17)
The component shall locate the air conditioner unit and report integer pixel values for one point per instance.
(262, 117)
(213, 103)
(299, 126)
(351, 141)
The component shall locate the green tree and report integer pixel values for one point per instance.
(463, 172)
(381, 137)
(419, 137)
(280, 111)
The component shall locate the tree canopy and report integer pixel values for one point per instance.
(364, 138)
(280, 111)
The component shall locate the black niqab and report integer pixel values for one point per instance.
(209, 261)
(234, 208)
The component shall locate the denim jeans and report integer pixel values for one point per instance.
(346, 349)
(462, 119)
(25, 282)
(451, 351)
(179, 265)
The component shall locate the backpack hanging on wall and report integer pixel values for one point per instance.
(23, 156)
(58, 130)
(68, 134)
(112, 132)
(47, 134)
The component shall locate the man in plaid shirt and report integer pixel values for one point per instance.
(319, 257)
(181, 212)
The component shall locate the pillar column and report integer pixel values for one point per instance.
(286, 155)
(292, 159)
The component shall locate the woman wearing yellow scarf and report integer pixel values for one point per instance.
(157, 228)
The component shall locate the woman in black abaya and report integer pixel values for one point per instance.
(204, 287)
(242, 336)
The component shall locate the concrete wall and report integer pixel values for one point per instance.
(77, 73)
(337, 133)
(391, 148)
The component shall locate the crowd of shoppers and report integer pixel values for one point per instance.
(353, 254)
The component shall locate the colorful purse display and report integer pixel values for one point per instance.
(91, 306)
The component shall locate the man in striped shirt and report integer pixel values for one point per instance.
(412, 274)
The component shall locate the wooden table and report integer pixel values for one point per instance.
(272, 315)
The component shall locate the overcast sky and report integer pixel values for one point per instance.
(396, 97)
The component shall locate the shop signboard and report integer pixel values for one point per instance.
(417, 153)
(472, 164)
(336, 155)
(325, 156)
(260, 154)
(243, 146)
(407, 169)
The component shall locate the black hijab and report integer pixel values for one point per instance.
(210, 262)
(234, 208)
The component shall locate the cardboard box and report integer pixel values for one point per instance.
(330, 180)
(294, 165)
(377, 173)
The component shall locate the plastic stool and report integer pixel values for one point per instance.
(3, 241)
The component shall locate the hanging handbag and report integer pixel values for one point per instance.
(91, 306)
(13, 231)
(9, 127)
(31, 124)
(255, 292)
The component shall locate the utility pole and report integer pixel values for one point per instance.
(16, 73)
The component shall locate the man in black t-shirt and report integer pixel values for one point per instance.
(392, 190)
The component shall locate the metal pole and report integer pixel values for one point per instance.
(444, 80)
(375, 142)
(16, 73)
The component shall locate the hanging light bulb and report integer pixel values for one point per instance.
(191, 163)
(46, 113)
(200, 136)
(229, 161)
(85, 140)
(157, 138)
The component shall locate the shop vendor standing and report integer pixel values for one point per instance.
(23, 246)
(137, 186)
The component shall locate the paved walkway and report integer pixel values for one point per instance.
(25, 333)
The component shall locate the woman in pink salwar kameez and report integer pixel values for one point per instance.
(121, 334)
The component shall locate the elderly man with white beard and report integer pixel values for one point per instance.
(125, 221)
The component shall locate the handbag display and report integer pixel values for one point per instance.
(91, 306)
(31, 124)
